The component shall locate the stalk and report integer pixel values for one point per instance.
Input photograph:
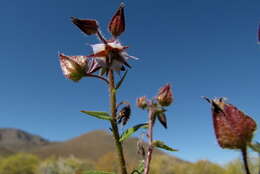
(150, 141)
(119, 147)
(245, 160)
(259, 162)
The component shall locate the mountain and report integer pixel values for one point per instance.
(93, 145)
(15, 140)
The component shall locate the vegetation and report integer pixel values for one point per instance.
(24, 163)
(19, 164)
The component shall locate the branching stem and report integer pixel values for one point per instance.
(113, 122)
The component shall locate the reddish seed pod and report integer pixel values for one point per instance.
(117, 23)
(165, 95)
(233, 128)
(88, 26)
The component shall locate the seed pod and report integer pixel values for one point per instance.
(117, 23)
(88, 26)
(233, 128)
(73, 67)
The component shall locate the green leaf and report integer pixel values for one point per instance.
(161, 145)
(98, 114)
(97, 172)
(132, 130)
(121, 80)
(255, 147)
(140, 168)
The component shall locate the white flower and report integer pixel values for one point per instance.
(111, 55)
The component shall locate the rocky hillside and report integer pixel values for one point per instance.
(16, 140)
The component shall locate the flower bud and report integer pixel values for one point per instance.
(164, 96)
(124, 115)
(141, 102)
(117, 23)
(233, 128)
(73, 67)
(88, 26)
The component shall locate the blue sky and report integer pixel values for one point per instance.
(203, 48)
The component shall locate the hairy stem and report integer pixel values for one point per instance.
(245, 160)
(150, 141)
(113, 122)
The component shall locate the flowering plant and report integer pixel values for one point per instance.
(110, 56)
(233, 128)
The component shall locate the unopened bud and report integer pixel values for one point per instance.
(73, 67)
(164, 96)
(233, 128)
(124, 115)
(141, 102)
(88, 26)
(117, 23)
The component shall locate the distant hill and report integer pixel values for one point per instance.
(15, 140)
(92, 145)
(5, 152)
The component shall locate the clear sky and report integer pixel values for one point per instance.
(202, 47)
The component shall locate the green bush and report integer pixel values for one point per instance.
(19, 164)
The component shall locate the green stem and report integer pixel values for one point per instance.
(245, 160)
(113, 122)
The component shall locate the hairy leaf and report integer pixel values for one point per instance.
(131, 130)
(98, 114)
(160, 144)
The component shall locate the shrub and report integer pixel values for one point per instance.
(19, 164)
